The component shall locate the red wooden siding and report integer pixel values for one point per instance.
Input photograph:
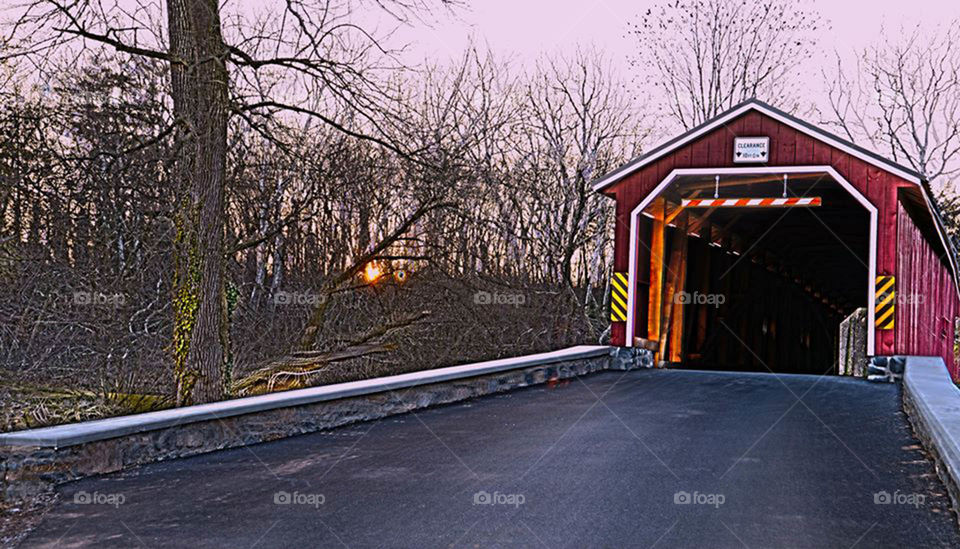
(927, 302)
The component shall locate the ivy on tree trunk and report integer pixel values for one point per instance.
(201, 342)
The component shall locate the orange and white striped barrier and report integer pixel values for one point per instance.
(749, 202)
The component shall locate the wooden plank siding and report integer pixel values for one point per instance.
(926, 302)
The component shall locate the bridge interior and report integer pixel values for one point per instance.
(750, 288)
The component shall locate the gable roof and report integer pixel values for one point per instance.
(868, 156)
(802, 126)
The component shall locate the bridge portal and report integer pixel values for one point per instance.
(745, 242)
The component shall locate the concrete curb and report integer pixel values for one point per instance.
(932, 403)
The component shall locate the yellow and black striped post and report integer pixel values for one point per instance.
(618, 297)
(885, 300)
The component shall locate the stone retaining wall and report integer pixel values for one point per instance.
(26, 469)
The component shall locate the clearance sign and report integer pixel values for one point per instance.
(751, 149)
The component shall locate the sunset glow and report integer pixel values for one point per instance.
(372, 272)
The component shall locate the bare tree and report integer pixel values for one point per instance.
(704, 56)
(310, 48)
(580, 124)
(389, 204)
(493, 197)
(903, 99)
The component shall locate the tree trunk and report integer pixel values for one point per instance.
(200, 101)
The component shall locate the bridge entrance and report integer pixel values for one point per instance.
(745, 242)
(750, 269)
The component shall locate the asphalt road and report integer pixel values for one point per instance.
(763, 460)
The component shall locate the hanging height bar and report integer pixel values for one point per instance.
(813, 201)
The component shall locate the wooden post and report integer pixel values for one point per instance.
(705, 287)
(657, 228)
(746, 321)
(676, 322)
(677, 265)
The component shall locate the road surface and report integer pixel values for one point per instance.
(617, 459)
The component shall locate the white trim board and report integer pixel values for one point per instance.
(754, 105)
(872, 260)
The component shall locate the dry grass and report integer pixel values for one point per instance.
(430, 321)
(25, 406)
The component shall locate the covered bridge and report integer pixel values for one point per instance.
(745, 242)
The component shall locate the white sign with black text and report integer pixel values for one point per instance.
(751, 149)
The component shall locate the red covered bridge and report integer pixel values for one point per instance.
(745, 242)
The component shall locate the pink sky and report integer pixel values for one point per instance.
(527, 28)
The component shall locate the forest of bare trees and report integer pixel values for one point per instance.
(198, 203)
(358, 221)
